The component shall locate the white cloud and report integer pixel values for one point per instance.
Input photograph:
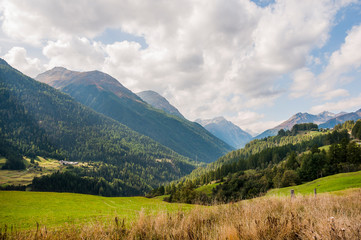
(75, 53)
(347, 104)
(340, 63)
(208, 58)
(17, 57)
(252, 122)
(303, 81)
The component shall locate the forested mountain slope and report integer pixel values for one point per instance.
(106, 95)
(37, 119)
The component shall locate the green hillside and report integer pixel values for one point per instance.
(207, 189)
(38, 120)
(106, 95)
(258, 145)
(25, 209)
(245, 177)
(331, 183)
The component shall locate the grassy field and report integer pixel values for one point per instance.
(326, 184)
(24, 209)
(207, 189)
(41, 166)
(305, 217)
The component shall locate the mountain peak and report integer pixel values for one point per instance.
(60, 78)
(226, 131)
(159, 102)
(58, 69)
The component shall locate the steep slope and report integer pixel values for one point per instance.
(341, 119)
(226, 131)
(297, 119)
(159, 102)
(39, 120)
(106, 95)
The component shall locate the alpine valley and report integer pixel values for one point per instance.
(84, 132)
(106, 95)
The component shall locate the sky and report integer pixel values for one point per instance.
(254, 62)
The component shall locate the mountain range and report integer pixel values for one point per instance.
(219, 126)
(324, 120)
(341, 119)
(226, 131)
(104, 94)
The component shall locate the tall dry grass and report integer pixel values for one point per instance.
(321, 217)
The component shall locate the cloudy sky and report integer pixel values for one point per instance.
(254, 62)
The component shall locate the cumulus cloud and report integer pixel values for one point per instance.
(348, 57)
(208, 58)
(340, 63)
(18, 58)
(303, 80)
(75, 53)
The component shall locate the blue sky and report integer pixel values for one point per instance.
(254, 62)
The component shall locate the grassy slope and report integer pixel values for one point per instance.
(326, 184)
(24, 209)
(207, 189)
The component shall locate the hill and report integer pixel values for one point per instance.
(280, 161)
(226, 131)
(106, 95)
(159, 102)
(38, 120)
(331, 183)
(341, 119)
(297, 119)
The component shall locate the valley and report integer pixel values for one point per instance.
(180, 120)
(71, 165)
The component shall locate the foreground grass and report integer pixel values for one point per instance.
(326, 184)
(305, 217)
(24, 209)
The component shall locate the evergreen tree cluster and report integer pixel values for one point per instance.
(356, 130)
(274, 167)
(298, 128)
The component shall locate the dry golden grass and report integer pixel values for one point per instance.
(322, 217)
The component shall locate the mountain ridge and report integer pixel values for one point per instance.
(297, 119)
(226, 131)
(341, 119)
(106, 95)
(158, 101)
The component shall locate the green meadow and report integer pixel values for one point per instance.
(326, 184)
(207, 189)
(25, 209)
